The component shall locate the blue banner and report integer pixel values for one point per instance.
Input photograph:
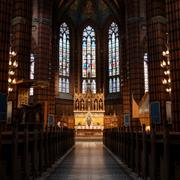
(50, 120)
(127, 120)
(3, 106)
(155, 113)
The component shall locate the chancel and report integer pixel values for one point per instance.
(89, 112)
(89, 89)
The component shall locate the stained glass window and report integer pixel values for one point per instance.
(146, 81)
(84, 86)
(32, 66)
(64, 58)
(89, 59)
(113, 50)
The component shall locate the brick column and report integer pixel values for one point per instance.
(21, 36)
(134, 53)
(5, 16)
(173, 10)
(44, 64)
(156, 33)
(125, 78)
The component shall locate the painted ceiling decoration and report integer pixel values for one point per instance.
(116, 3)
(88, 8)
(97, 10)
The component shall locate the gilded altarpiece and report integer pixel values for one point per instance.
(89, 110)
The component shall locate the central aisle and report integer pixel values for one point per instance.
(89, 161)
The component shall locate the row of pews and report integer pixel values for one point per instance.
(27, 149)
(154, 155)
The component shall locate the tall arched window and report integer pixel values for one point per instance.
(32, 68)
(146, 80)
(64, 58)
(89, 60)
(113, 50)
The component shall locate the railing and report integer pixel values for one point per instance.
(26, 152)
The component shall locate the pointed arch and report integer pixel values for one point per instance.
(89, 59)
(113, 58)
(146, 77)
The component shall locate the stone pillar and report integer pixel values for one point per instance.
(173, 8)
(135, 61)
(5, 16)
(156, 33)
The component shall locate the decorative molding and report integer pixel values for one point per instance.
(135, 19)
(18, 20)
(159, 19)
(65, 96)
(44, 21)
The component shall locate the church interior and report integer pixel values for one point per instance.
(97, 80)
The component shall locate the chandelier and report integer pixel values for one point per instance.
(12, 70)
(165, 65)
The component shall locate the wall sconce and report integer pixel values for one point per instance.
(165, 65)
(12, 67)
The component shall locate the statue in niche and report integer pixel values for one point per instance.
(89, 104)
(89, 120)
(82, 105)
(95, 105)
(100, 105)
(77, 104)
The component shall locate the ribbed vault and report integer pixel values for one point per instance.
(115, 6)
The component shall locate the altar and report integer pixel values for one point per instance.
(89, 113)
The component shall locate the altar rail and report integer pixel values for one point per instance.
(154, 155)
(26, 152)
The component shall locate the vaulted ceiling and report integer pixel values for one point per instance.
(77, 9)
(111, 3)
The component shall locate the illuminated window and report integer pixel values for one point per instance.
(93, 86)
(146, 81)
(84, 86)
(110, 85)
(113, 51)
(64, 58)
(89, 60)
(32, 66)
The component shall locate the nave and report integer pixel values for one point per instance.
(88, 161)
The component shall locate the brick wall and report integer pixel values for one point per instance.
(5, 16)
(173, 11)
(156, 33)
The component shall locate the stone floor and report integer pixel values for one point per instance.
(89, 161)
